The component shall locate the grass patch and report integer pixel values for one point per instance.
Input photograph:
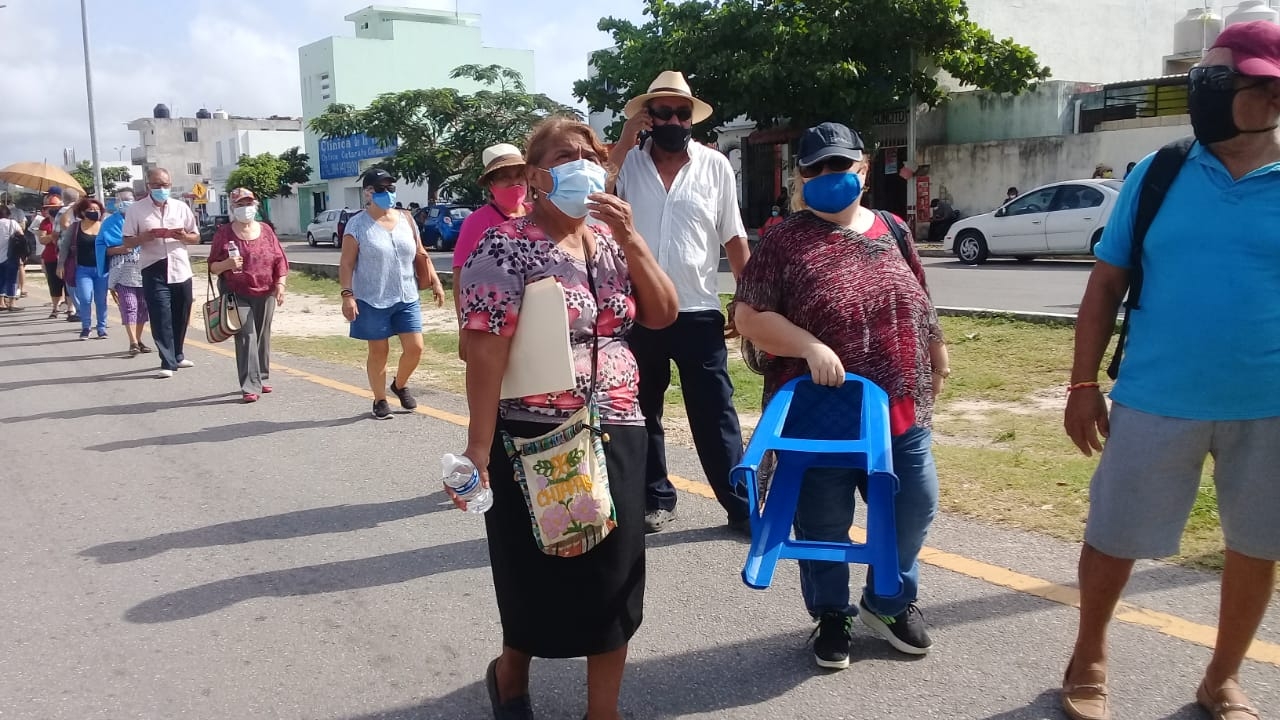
(440, 367)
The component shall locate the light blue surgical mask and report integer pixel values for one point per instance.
(832, 192)
(384, 200)
(122, 205)
(572, 182)
(160, 195)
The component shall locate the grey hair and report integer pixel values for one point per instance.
(123, 191)
(156, 170)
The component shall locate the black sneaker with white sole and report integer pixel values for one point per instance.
(407, 401)
(381, 409)
(833, 638)
(905, 631)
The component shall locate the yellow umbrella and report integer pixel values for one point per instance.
(39, 176)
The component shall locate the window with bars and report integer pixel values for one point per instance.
(194, 169)
(190, 135)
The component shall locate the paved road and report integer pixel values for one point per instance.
(1048, 286)
(166, 552)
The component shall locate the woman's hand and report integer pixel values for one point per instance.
(479, 458)
(616, 213)
(61, 271)
(437, 289)
(938, 382)
(349, 309)
(824, 365)
(279, 294)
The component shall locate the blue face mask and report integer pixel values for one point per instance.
(160, 195)
(384, 200)
(572, 182)
(122, 205)
(832, 192)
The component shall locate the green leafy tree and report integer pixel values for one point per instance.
(799, 62)
(110, 176)
(298, 170)
(268, 175)
(442, 131)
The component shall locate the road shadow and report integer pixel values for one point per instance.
(67, 331)
(40, 343)
(695, 535)
(300, 523)
(23, 362)
(146, 373)
(144, 408)
(390, 569)
(225, 433)
(710, 680)
(1043, 707)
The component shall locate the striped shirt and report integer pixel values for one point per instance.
(384, 267)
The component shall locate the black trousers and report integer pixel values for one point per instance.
(170, 308)
(696, 344)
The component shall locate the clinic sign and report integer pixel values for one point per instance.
(340, 157)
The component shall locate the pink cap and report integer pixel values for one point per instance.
(1254, 46)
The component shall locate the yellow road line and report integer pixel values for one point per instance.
(1164, 623)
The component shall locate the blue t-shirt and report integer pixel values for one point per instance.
(1205, 344)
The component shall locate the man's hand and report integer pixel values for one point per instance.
(631, 129)
(1086, 418)
(730, 327)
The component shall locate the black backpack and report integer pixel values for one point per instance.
(1155, 185)
(903, 246)
(22, 245)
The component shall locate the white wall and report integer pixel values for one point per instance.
(974, 177)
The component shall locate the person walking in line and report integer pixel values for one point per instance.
(163, 228)
(612, 283)
(78, 261)
(255, 275)
(828, 292)
(504, 179)
(58, 295)
(9, 230)
(1215, 396)
(380, 289)
(124, 274)
(686, 207)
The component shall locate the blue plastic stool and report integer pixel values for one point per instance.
(810, 426)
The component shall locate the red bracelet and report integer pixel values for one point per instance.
(1082, 386)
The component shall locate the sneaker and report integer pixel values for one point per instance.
(184, 363)
(905, 631)
(165, 374)
(266, 389)
(84, 334)
(406, 400)
(834, 636)
(249, 398)
(72, 317)
(381, 409)
(142, 348)
(653, 521)
(102, 334)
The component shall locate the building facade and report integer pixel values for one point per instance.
(393, 49)
(229, 149)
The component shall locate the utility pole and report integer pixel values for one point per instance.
(88, 89)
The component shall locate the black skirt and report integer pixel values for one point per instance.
(555, 607)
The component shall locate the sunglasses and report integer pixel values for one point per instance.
(834, 164)
(383, 188)
(665, 113)
(1219, 78)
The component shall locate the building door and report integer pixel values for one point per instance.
(888, 188)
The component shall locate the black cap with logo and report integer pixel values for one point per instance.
(829, 140)
(376, 178)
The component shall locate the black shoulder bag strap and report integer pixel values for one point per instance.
(896, 229)
(1155, 185)
(595, 425)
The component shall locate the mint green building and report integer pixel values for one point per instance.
(393, 49)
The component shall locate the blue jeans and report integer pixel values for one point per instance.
(825, 512)
(90, 295)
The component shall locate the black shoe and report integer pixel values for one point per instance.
(831, 648)
(133, 350)
(514, 709)
(142, 348)
(653, 521)
(741, 527)
(72, 317)
(381, 409)
(406, 400)
(905, 631)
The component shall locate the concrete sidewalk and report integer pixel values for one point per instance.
(169, 552)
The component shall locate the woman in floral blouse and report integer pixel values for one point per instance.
(600, 594)
(828, 291)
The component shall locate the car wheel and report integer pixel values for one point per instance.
(971, 248)
(311, 240)
(1025, 258)
(337, 241)
(1093, 243)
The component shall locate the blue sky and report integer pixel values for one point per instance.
(239, 55)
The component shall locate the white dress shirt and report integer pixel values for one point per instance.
(146, 215)
(686, 227)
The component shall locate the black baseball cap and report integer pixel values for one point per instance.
(829, 140)
(376, 177)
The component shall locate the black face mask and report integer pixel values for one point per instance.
(672, 138)
(1211, 102)
(92, 215)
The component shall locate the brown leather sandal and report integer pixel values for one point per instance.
(1087, 700)
(1228, 703)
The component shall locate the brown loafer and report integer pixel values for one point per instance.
(1228, 703)
(1086, 700)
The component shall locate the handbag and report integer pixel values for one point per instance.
(421, 260)
(221, 314)
(564, 476)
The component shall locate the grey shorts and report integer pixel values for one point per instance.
(1147, 481)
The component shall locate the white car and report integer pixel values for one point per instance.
(323, 228)
(1063, 218)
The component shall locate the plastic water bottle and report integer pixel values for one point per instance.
(233, 251)
(463, 477)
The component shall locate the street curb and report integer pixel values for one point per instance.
(1031, 317)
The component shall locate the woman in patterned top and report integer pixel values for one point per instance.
(611, 283)
(829, 291)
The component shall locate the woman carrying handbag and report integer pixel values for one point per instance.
(250, 264)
